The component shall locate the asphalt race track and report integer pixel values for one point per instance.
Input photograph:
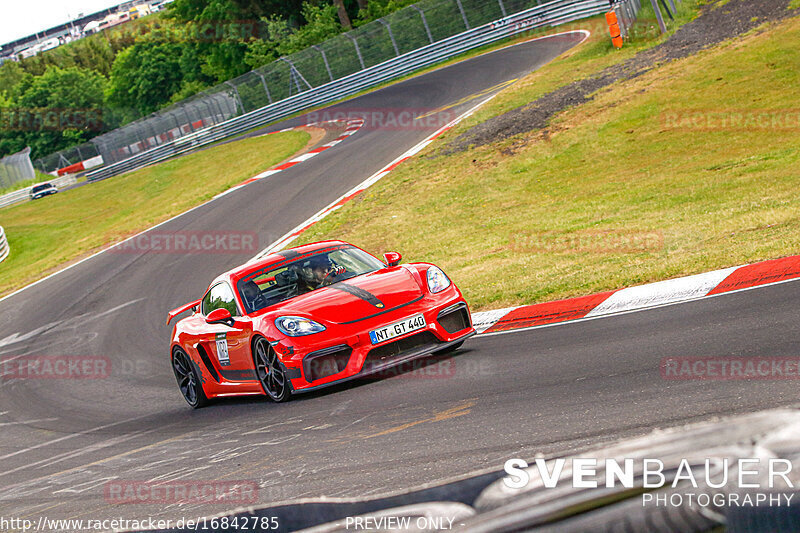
(547, 390)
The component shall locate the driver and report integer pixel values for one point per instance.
(320, 271)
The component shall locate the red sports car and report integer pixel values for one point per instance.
(312, 316)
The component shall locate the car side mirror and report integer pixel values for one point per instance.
(392, 258)
(220, 316)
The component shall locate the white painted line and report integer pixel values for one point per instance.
(67, 437)
(26, 422)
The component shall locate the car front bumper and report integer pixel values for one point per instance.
(345, 353)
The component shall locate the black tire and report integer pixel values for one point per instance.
(270, 371)
(188, 381)
(449, 349)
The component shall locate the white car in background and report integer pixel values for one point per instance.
(42, 189)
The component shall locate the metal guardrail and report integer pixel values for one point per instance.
(5, 249)
(547, 14)
(23, 195)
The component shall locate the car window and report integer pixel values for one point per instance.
(276, 284)
(220, 297)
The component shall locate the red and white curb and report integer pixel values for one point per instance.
(642, 297)
(353, 125)
(287, 239)
(81, 166)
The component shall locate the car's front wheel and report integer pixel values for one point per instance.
(270, 371)
(188, 382)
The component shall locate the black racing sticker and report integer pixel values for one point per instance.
(222, 349)
(358, 292)
(288, 254)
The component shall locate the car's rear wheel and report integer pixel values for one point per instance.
(270, 371)
(188, 382)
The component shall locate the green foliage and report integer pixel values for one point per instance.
(141, 66)
(281, 39)
(216, 29)
(147, 75)
(10, 75)
(58, 109)
(379, 8)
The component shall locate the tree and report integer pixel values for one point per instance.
(11, 74)
(58, 109)
(146, 75)
(344, 18)
(219, 31)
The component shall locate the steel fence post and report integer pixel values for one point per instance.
(358, 50)
(237, 97)
(391, 36)
(502, 8)
(324, 60)
(463, 14)
(424, 21)
(264, 84)
(660, 19)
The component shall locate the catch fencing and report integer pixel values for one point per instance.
(15, 168)
(627, 12)
(417, 36)
(258, 102)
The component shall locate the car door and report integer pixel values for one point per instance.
(228, 346)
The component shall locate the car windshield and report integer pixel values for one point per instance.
(41, 187)
(291, 278)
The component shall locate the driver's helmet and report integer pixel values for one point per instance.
(315, 262)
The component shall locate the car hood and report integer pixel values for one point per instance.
(357, 298)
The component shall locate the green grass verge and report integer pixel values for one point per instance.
(48, 233)
(499, 218)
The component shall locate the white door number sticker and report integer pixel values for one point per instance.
(222, 349)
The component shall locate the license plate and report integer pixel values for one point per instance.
(398, 328)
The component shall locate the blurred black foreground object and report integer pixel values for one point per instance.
(483, 503)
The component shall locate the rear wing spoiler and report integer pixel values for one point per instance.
(175, 312)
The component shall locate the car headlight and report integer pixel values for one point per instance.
(295, 326)
(437, 281)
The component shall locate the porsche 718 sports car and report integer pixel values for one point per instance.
(312, 316)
